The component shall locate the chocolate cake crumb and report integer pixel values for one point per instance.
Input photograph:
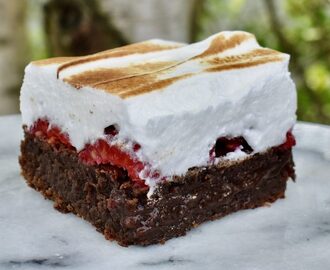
(105, 196)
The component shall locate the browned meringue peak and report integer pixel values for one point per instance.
(54, 60)
(152, 65)
(135, 48)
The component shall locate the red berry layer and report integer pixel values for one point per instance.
(225, 145)
(102, 152)
(53, 134)
(290, 141)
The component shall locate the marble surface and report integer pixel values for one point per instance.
(291, 234)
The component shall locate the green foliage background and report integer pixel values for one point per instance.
(298, 27)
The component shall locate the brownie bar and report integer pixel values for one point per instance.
(106, 197)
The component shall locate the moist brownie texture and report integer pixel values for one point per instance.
(105, 196)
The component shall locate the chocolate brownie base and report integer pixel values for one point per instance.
(105, 196)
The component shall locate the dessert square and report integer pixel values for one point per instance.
(149, 140)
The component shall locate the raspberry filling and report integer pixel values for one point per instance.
(225, 145)
(53, 134)
(104, 152)
(100, 152)
(290, 141)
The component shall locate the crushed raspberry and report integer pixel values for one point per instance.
(111, 130)
(136, 147)
(102, 153)
(42, 128)
(225, 145)
(156, 175)
(290, 141)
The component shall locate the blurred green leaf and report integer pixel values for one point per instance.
(318, 77)
(298, 27)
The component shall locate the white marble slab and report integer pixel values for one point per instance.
(291, 234)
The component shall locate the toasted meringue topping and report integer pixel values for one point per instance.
(152, 65)
(54, 60)
(137, 48)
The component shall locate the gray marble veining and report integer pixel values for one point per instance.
(290, 234)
